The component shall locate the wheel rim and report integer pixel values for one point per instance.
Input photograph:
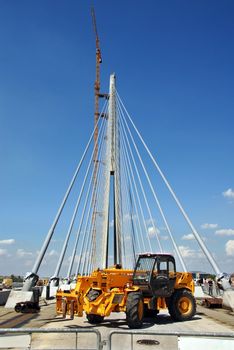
(140, 309)
(184, 305)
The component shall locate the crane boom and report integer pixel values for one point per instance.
(98, 51)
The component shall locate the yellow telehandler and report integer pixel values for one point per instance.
(153, 285)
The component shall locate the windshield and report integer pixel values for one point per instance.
(143, 270)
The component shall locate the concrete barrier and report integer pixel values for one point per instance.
(4, 294)
(17, 296)
(198, 293)
(49, 294)
(228, 299)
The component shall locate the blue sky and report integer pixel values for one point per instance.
(174, 67)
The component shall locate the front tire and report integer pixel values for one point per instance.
(134, 310)
(94, 319)
(17, 308)
(182, 305)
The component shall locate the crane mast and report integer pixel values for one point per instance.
(96, 117)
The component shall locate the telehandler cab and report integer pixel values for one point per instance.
(153, 285)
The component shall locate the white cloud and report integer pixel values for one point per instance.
(7, 241)
(53, 253)
(164, 238)
(127, 216)
(229, 194)
(187, 252)
(153, 231)
(3, 252)
(21, 253)
(188, 237)
(127, 237)
(68, 260)
(56, 241)
(209, 226)
(225, 232)
(229, 247)
(191, 237)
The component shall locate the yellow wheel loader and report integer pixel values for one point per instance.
(153, 285)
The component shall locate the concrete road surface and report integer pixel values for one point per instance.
(162, 323)
(206, 320)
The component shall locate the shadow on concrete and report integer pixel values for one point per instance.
(122, 324)
(19, 320)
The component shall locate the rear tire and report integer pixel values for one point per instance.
(182, 305)
(134, 310)
(94, 319)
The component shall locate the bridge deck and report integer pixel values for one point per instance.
(206, 320)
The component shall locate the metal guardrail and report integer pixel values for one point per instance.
(4, 332)
(132, 334)
(110, 344)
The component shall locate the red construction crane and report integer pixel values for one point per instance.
(96, 117)
(97, 81)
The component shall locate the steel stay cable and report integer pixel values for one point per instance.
(83, 251)
(133, 236)
(124, 205)
(122, 211)
(59, 212)
(126, 188)
(140, 206)
(127, 207)
(81, 257)
(196, 234)
(142, 188)
(156, 199)
(121, 174)
(57, 270)
(81, 221)
(86, 268)
(134, 200)
(140, 234)
(86, 239)
(160, 209)
(79, 230)
(90, 244)
(80, 225)
(138, 229)
(126, 168)
(89, 228)
(137, 212)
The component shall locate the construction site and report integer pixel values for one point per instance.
(121, 276)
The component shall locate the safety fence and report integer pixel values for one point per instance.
(91, 339)
(50, 338)
(140, 339)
